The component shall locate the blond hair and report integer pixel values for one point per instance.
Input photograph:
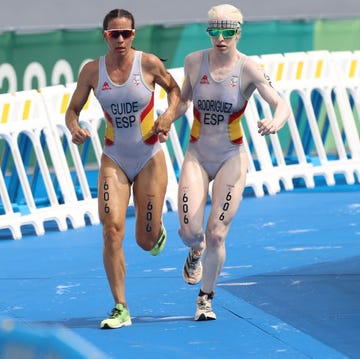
(225, 12)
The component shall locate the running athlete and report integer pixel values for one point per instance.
(123, 81)
(219, 82)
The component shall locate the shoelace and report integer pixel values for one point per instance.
(204, 304)
(193, 262)
(115, 312)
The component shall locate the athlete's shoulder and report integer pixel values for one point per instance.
(90, 66)
(151, 62)
(194, 56)
(251, 64)
(149, 57)
(89, 72)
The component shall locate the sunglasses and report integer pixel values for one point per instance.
(226, 33)
(115, 33)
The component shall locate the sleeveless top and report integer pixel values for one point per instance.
(129, 114)
(216, 133)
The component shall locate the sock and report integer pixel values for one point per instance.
(209, 295)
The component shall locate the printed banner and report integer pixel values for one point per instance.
(35, 60)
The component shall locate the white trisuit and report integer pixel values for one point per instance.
(129, 113)
(215, 152)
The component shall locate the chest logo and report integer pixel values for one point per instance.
(105, 86)
(234, 81)
(204, 80)
(136, 79)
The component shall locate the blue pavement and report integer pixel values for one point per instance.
(290, 286)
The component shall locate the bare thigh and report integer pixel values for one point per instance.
(192, 197)
(149, 194)
(227, 191)
(113, 200)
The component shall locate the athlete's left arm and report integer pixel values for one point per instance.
(257, 79)
(163, 78)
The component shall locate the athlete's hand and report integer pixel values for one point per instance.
(162, 126)
(266, 127)
(163, 136)
(79, 135)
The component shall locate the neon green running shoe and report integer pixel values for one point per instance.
(160, 244)
(120, 317)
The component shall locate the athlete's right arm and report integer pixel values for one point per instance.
(191, 68)
(84, 85)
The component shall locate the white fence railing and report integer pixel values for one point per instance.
(44, 178)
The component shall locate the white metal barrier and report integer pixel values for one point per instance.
(30, 156)
(308, 74)
(44, 177)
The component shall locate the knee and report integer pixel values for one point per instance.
(192, 239)
(113, 237)
(214, 238)
(144, 243)
(147, 240)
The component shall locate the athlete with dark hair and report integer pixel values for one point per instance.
(123, 81)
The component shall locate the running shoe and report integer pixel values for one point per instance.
(204, 309)
(192, 269)
(119, 317)
(160, 244)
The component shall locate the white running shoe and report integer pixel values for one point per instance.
(204, 309)
(192, 269)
